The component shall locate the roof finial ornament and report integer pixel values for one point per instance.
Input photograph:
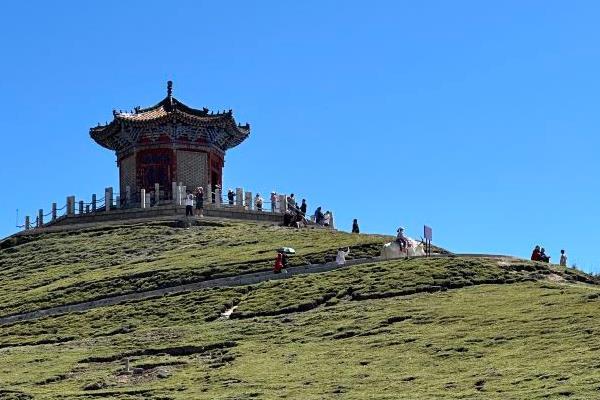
(169, 88)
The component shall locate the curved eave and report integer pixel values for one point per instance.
(103, 134)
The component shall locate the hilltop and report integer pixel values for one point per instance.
(443, 327)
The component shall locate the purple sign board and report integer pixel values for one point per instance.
(428, 232)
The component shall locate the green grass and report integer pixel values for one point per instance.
(70, 267)
(451, 328)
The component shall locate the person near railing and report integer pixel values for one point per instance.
(273, 202)
(355, 228)
(230, 196)
(189, 204)
(199, 201)
(303, 207)
(258, 202)
(291, 201)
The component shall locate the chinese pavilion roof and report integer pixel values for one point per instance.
(218, 128)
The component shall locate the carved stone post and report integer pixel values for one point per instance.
(80, 207)
(27, 223)
(118, 201)
(217, 197)
(179, 197)
(94, 202)
(70, 205)
(282, 203)
(87, 208)
(53, 211)
(143, 198)
(148, 200)
(108, 198)
(248, 200)
(156, 194)
(40, 218)
(174, 192)
(239, 197)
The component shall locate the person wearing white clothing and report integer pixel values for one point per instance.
(563, 259)
(189, 205)
(340, 259)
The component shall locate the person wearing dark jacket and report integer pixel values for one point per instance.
(303, 206)
(355, 226)
(535, 255)
(319, 216)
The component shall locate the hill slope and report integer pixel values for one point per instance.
(458, 327)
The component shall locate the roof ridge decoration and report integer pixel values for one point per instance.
(174, 111)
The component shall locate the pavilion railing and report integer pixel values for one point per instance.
(147, 200)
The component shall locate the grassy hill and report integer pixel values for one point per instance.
(457, 327)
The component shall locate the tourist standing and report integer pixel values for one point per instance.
(319, 216)
(291, 202)
(199, 201)
(563, 258)
(273, 201)
(258, 202)
(340, 259)
(303, 207)
(189, 205)
(327, 218)
(355, 228)
(230, 196)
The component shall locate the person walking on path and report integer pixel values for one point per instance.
(563, 259)
(340, 259)
(199, 201)
(278, 263)
(189, 205)
(355, 228)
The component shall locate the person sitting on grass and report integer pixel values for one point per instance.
(535, 255)
(543, 256)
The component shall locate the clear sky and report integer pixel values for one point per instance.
(478, 118)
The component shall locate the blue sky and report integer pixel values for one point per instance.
(477, 118)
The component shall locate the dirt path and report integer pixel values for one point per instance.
(238, 280)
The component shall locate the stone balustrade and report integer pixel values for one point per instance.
(147, 201)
